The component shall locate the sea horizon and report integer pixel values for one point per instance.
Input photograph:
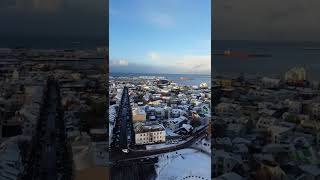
(194, 79)
(284, 55)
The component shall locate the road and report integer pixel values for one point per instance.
(123, 125)
(48, 158)
(49, 155)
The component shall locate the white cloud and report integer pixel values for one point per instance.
(189, 64)
(121, 62)
(195, 64)
(154, 56)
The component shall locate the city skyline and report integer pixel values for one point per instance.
(160, 37)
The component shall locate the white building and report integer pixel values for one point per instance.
(149, 134)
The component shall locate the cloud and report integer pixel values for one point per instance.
(195, 64)
(121, 62)
(154, 56)
(141, 68)
(185, 64)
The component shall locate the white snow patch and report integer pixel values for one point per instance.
(184, 164)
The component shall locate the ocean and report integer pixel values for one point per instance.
(284, 55)
(195, 79)
(52, 42)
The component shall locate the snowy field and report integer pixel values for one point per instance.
(186, 164)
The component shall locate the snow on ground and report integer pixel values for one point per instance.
(112, 117)
(165, 145)
(169, 132)
(169, 143)
(204, 144)
(185, 164)
(158, 146)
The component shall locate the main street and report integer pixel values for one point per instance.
(48, 156)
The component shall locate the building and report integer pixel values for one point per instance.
(280, 133)
(270, 82)
(176, 123)
(227, 108)
(296, 76)
(138, 115)
(175, 113)
(11, 162)
(160, 113)
(224, 162)
(149, 134)
(315, 110)
(265, 122)
(224, 83)
(294, 106)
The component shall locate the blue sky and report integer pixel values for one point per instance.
(170, 36)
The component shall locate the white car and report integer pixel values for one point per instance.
(125, 150)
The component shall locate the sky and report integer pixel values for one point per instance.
(160, 36)
(53, 18)
(272, 20)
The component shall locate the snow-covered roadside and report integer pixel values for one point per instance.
(204, 144)
(184, 164)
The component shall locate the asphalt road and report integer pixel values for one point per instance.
(49, 146)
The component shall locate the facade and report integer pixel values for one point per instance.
(149, 134)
